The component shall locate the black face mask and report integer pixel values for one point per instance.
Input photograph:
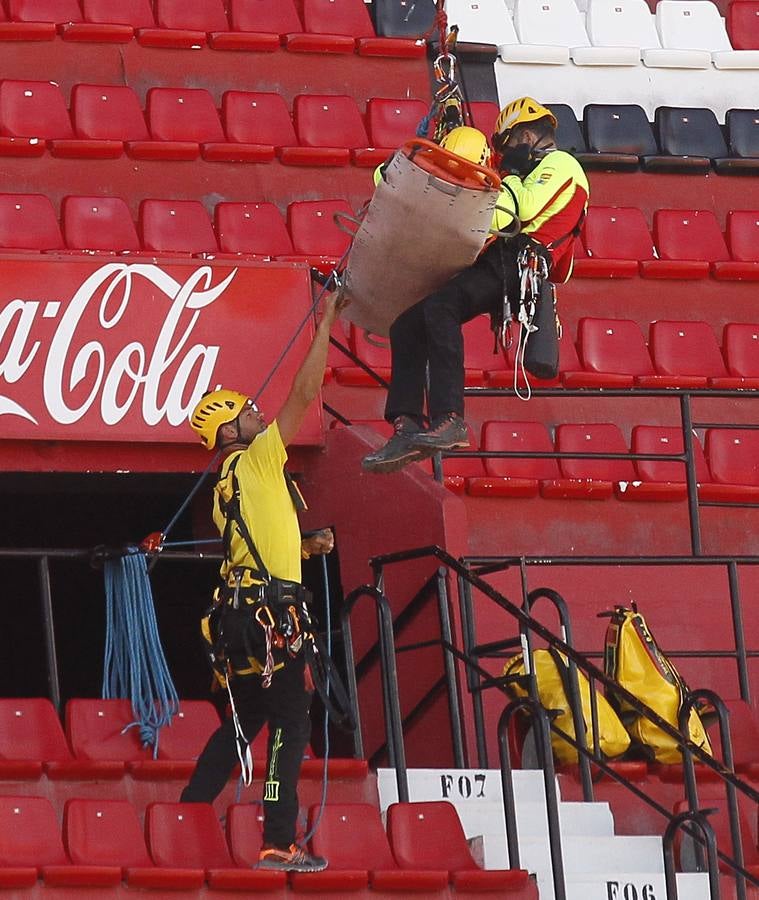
(516, 159)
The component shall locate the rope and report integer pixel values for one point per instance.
(135, 667)
(328, 623)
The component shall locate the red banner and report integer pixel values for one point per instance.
(121, 351)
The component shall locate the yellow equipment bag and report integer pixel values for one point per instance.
(552, 672)
(633, 658)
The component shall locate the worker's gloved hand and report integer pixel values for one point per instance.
(516, 160)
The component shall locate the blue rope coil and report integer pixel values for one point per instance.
(135, 667)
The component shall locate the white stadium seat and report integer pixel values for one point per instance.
(551, 31)
(696, 27)
(622, 23)
(482, 21)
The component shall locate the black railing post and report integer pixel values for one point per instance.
(690, 475)
(542, 732)
(574, 695)
(738, 632)
(698, 818)
(472, 679)
(454, 711)
(350, 674)
(48, 623)
(723, 716)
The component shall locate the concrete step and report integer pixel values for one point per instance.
(576, 819)
(631, 886)
(631, 853)
(461, 785)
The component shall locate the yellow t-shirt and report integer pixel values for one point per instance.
(266, 507)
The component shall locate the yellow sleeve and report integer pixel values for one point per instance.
(506, 205)
(543, 186)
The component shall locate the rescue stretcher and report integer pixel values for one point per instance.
(428, 219)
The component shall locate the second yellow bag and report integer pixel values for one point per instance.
(551, 672)
(633, 658)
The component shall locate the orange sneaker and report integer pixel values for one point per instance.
(293, 859)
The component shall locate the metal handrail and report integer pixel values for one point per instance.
(698, 818)
(527, 624)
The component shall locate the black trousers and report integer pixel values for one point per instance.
(429, 333)
(284, 705)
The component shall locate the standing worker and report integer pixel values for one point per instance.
(259, 621)
(547, 191)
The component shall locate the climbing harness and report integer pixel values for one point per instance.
(135, 666)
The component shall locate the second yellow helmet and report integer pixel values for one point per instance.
(468, 143)
(520, 112)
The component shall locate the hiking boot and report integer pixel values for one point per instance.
(447, 432)
(398, 451)
(293, 859)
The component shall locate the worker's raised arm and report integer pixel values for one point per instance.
(308, 379)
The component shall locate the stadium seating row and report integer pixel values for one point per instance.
(184, 847)
(328, 26)
(728, 472)
(686, 244)
(610, 353)
(680, 34)
(183, 124)
(616, 242)
(28, 223)
(97, 744)
(690, 140)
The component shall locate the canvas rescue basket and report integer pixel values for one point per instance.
(428, 219)
(552, 673)
(633, 658)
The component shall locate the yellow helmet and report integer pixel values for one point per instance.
(214, 410)
(468, 143)
(520, 112)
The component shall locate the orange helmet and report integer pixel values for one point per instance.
(214, 410)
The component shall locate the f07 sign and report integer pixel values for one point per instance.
(122, 351)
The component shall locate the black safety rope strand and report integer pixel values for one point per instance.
(204, 474)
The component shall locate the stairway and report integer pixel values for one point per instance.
(598, 864)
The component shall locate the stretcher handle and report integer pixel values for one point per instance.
(513, 229)
(436, 159)
(344, 221)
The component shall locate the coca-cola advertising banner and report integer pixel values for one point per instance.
(121, 351)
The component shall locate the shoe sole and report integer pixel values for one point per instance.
(286, 867)
(453, 445)
(385, 466)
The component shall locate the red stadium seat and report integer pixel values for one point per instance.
(28, 223)
(189, 836)
(32, 738)
(259, 120)
(685, 355)
(733, 456)
(482, 114)
(245, 833)
(661, 480)
(613, 353)
(596, 477)
(30, 841)
(430, 835)
(393, 122)
(24, 25)
(187, 25)
(253, 229)
(373, 351)
(314, 233)
(330, 127)
(502, 372)
(713, 798)
(176, 227)
(352, 838)
(741, 349)
(481, 356)
(109, 833)
(265, 18)
(688, 240)
(183, 740)
(743, 24)
(31, 113)
(185, 123)
(109, 117)
(512, 476)
(743, 241)
(615, 239)
(342, 26)
(98, 224)
(135, 13)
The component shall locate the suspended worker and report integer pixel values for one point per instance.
(546, 190)
(258, 626)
